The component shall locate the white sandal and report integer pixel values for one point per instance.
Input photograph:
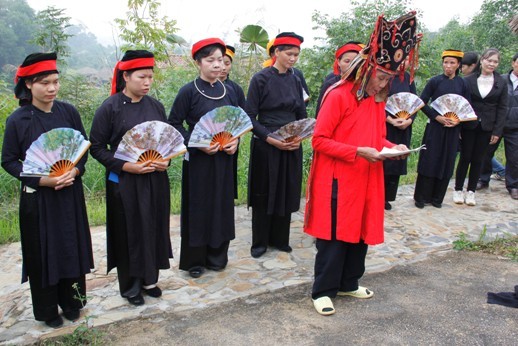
(324, 306)
(361, 292)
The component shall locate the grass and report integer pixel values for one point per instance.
(506, 246)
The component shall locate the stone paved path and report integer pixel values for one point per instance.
(411, 234)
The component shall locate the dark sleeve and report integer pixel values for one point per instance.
(303, 81)
(100, 135)
(12, 154)
(413, 90)
(179, 111)
(241, 100)
(253, 100)
(426, 95)
(467, 89)
(78, 125)
(502, 108)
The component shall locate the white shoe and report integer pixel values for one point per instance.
(496, 176)
(470, 198)
(458, 197)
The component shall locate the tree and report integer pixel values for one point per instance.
(491, 27)
(51, 33)
(143, 29)
(354, 25)
(16, 29)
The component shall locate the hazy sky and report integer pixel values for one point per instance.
(198, 19)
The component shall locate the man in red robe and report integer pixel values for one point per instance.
(345, 202)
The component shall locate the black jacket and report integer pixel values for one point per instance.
(511, 123)
(492, 109)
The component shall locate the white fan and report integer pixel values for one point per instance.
(54, 153)
(150, 141)
(220, 125)
(455, 107)
(299, 128)
(403, 105)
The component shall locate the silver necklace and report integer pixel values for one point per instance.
(211, 97)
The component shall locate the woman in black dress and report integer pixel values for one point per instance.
(275, 176)
(343, 58)
(207, 216)
(55, 236)
(137, 194)
(398, 131)
(441, 135)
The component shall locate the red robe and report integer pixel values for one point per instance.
(343, 125)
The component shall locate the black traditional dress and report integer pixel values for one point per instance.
(55, 236)
(393, 169)
(207, 215)
(137, 205)
(328, 81)
(233, 87)
(436, 163)
(275, 176)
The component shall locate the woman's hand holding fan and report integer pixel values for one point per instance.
(289, 136)
(149, 146)
(219, 130)
(403, 105)
(55, 154)
(453, 109)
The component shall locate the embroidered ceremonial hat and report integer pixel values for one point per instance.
(131, 61)
(230, 52)
(350, 46)
(390, 44)
(207, 42)
(34, 65)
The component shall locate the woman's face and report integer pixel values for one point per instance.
(345, 60)
(44, 91)
(488, 65)
(449, 66)
(467, 69)
(377, 83)
(286, 58)
(138, 83)
(227, 66)
(211, 66)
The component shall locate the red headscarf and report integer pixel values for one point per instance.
(207, 42)
(348, 47)
(132, 60)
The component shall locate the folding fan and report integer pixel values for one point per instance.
(150, 141)
(54, 153)
(455, 107)
(220, 125)
(403, 105)
(302, 128)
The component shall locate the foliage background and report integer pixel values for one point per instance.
(86, 69)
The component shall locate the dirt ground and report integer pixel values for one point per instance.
(438, 301)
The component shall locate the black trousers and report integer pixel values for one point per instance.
(45, 300)
(202, 256)
(129, 286)
(338, 265)
(391, 186)
(430, 190)
(473, 149)
(487, 168)
(511, 158)
(269, 230)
